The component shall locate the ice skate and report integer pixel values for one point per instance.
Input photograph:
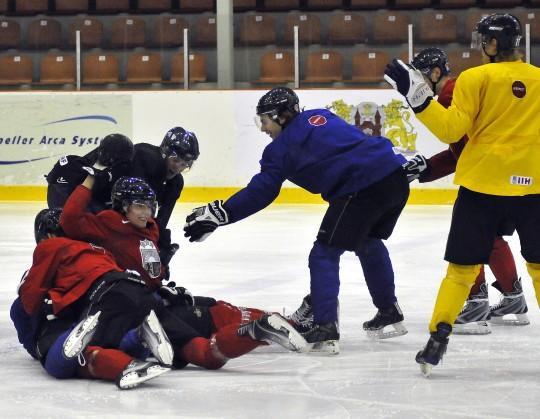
(473, 318)
(302, 318)
(274, 328)
(79, 337)
(513, 305)
(155, 339)
(323, 338)
(137, 372)
(435, 348)
(391, 316)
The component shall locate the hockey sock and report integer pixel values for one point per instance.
(56, 364)
(102, 363)
(224, 314)
(502, 264)
(480, 279)
(378, 272)
(132, 345)
(534, 272)
(452, 293)
(213, 353)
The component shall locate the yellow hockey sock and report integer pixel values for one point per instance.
(453, 292)
(534, 272)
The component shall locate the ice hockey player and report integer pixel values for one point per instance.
(512, 308)
(359, 175)
(74, 282)
(202, 331)
(496, 106)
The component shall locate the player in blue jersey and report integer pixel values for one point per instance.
(359, 175)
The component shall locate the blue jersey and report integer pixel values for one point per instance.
(321, 153)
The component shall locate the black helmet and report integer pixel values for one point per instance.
(47, 221)
(504, 27)
(277, 101)
(130, 190)
(429, 58)
(114, 149)
(180, 143)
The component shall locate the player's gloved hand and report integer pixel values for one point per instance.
(166, 253)
(415, 167)
(173, 295)
(203, 221)
(410, 82)
(100, 172)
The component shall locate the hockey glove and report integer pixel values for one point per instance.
(410, 82)
(173, 295)
(415, 167)
(203, 221)
(100, 172)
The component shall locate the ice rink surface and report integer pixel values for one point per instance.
(262, 262)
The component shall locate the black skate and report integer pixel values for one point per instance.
(323, 338)
(435, 348)
(473, 318)
(302, 318)
(154, 338)
(80, 336)
(137, 372)
(512, 304)
(391, 316)
(274, 328)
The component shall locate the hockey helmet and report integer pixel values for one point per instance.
(180, 143)
(114, 149)
(47, 221)
(429, 58)
(132, 190)
(504, 27)
(277, 101)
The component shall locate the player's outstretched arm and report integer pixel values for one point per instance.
(203, 221)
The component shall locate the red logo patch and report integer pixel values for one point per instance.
(317, 120)
(518, 89)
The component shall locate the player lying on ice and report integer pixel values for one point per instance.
(202, 331)
(74, 282)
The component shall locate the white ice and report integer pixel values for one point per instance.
(262, 262)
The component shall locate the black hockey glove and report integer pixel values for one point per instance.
(173, 295)
(415, 167)
(203, 221)
(410, 82)
(101, 173)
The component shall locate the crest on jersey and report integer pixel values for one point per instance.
(150, 258)
(317, 120)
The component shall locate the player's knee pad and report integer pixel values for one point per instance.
(462, 274)
(324, 254)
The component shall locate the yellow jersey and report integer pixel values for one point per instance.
(498, 106)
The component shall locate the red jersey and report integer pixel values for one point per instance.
(65, 269)
(133, 248)
(444, 163)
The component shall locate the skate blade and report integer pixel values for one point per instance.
(296, 340)
(425, 369)
(133, 379)
(328, 347)
(399, 330)
(520, 320)
(161, 344)
(74, 343)
(472, 328)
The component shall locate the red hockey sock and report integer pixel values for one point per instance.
(480, 279)
(502, 264)
(224, 314)
(213, 353)
(102, 363)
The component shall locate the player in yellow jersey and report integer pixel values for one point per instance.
(498, 173)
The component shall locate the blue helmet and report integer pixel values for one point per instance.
(132, 190)
(180, 143)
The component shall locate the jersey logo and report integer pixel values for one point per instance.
(61, 180)
(521, 180)
(125, 221)
(317, 120)
(518, 89)
(150, 258)
(63, 161)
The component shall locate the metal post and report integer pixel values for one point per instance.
(296, 59)
(186, 60)
(528, 43)
(78, 57)
(410, 37)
